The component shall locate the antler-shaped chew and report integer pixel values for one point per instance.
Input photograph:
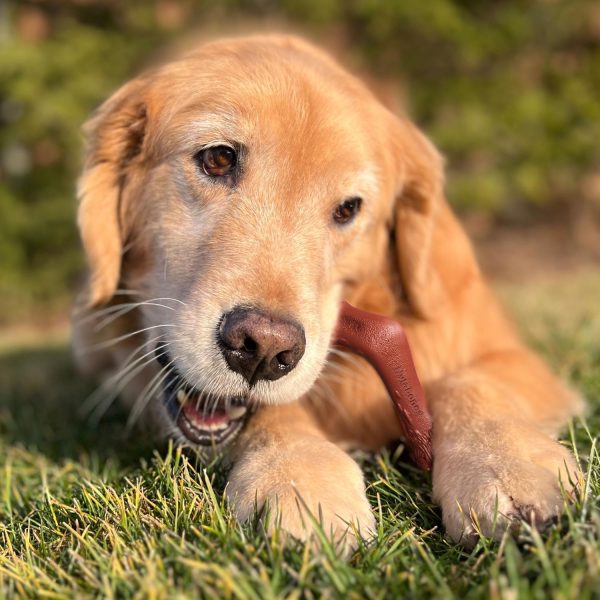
(383, 343)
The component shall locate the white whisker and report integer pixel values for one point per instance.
(112, 341)
(127, 366)
(125, 309)
(96, 405)
(147, 393)
(122, 309)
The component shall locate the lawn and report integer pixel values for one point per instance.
(96, 511)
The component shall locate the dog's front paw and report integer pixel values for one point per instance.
(498, 476)
(309, 484)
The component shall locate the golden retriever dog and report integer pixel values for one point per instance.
(230, 200)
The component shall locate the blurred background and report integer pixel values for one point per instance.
(508, 90)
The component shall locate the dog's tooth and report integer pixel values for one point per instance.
(236, 412)
(181, 397)
(217, 427)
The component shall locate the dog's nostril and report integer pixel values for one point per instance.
(249, 345)
(285, 359)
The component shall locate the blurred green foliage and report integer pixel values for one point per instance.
(507, 89)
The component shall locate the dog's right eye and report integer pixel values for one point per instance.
(217, 161)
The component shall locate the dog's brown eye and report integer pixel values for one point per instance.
(217, 161)
(347, 210)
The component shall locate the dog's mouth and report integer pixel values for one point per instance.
(204, 420)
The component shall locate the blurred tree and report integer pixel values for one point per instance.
(507, 89)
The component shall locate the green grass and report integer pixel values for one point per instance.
(96, 512)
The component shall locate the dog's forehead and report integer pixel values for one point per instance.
(275, 106)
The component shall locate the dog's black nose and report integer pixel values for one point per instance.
(259, 345)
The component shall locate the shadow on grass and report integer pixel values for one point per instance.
(40, 399)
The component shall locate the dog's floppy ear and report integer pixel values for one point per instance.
(433, 253)
(115, 136)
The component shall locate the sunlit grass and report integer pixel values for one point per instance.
(92, 511)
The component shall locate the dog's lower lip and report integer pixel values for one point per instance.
(202, 421)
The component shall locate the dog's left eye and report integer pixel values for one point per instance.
(217, 161)
(347, 210)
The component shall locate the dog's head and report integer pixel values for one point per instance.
(240, 191)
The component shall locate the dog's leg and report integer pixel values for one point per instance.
(495, 462)
(282, 462)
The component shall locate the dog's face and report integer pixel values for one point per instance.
(239, 191)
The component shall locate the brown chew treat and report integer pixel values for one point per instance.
(383, 343)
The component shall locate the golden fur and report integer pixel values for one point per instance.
(315, 135)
